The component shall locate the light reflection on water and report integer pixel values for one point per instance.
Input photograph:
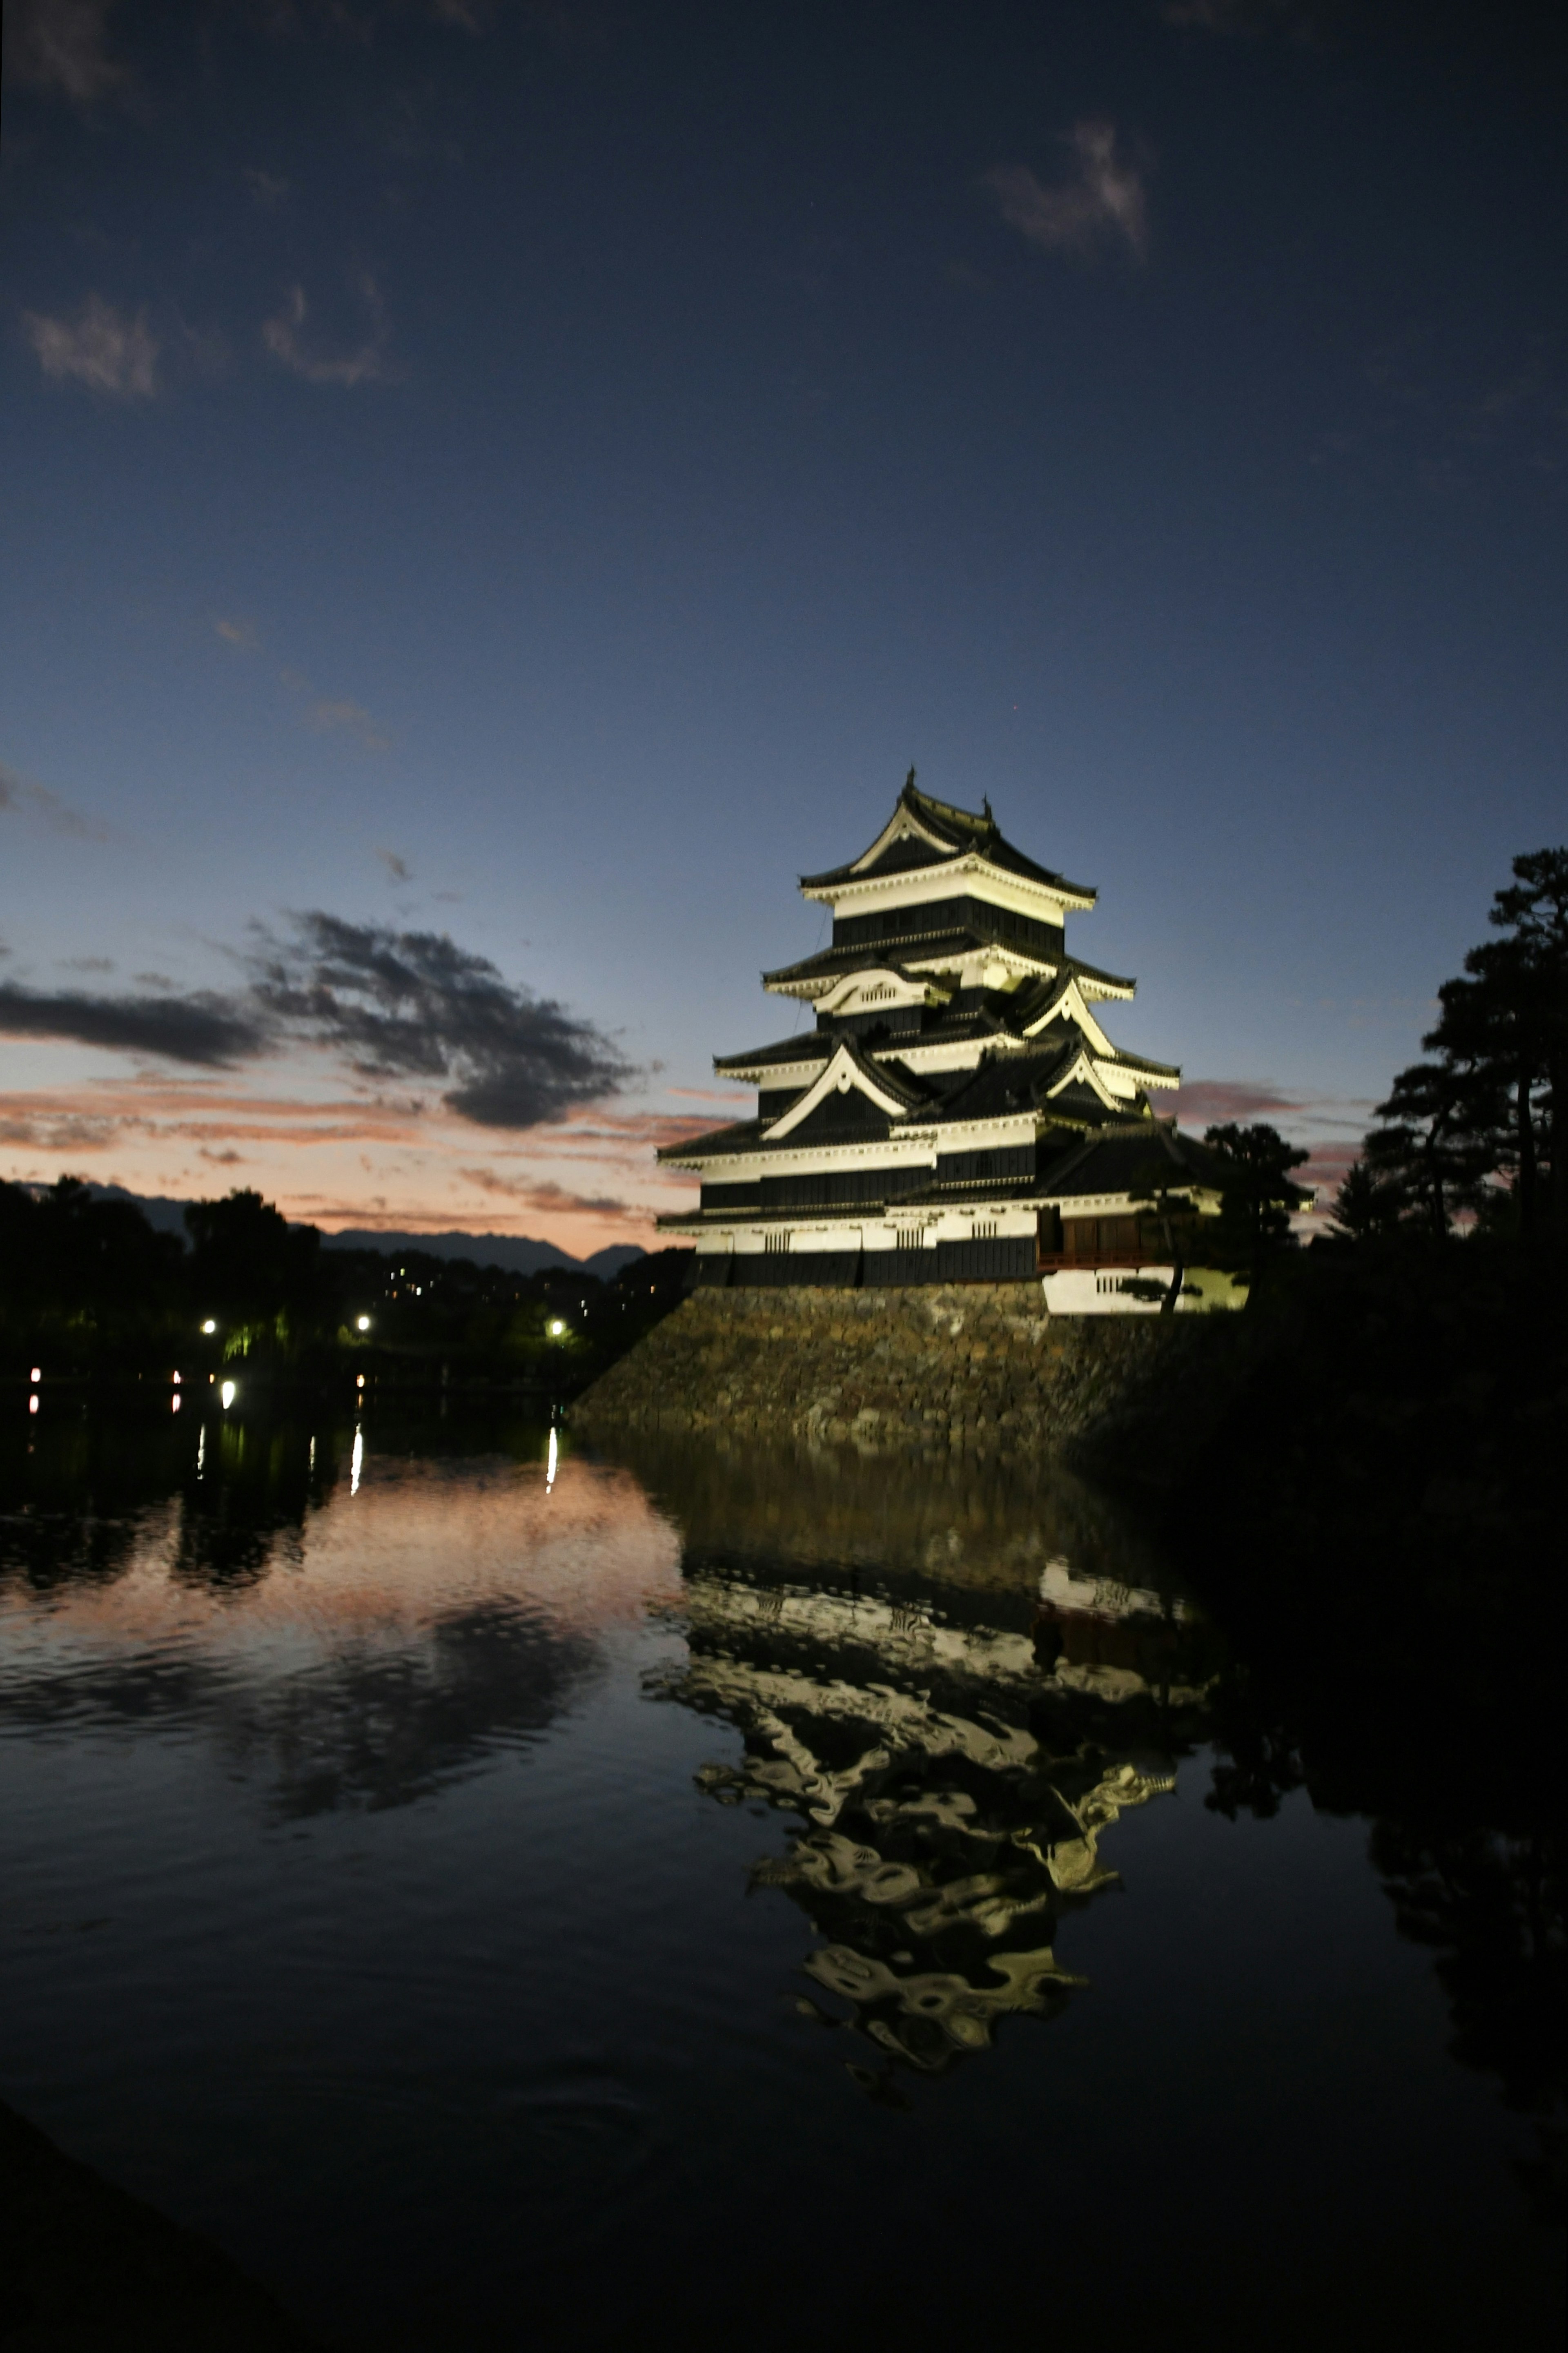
(499, 1895)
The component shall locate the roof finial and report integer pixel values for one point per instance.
(910, 781)
(985, 805)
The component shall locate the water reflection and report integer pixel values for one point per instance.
(203, 1586)
(956, 1728)
(951, 1683)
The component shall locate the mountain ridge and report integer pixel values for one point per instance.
(515, 1253)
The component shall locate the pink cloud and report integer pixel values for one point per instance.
(544, 1194)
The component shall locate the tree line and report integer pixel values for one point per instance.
(1466, 1141)
(89, 1286)
(1470, 1136)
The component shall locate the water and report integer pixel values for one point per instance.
(515, 1902)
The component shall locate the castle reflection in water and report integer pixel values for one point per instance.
(955, 1715)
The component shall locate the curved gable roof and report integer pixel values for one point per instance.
(924, 831)
(892, 1091)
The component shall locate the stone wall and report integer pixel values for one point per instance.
(980, 1366)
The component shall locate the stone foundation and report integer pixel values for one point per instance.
(982, 1365)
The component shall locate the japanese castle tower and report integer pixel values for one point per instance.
(958, 1112)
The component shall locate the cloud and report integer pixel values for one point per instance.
(1302, 1117)
(1210, 1102)
(203, 1027)
(366, 365)
(69, 1133)
(331, 713)
(396, 867)
(208, 1112)
(392, 1005)
(104, 348)
(627, 1136)
(47, 808)
(61, 45)
(544, 1194)
(268, 189)
(415, 1005)
(1101, 203)
(243, 634)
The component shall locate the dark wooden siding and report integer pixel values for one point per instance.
(734, 1197)
(768, 1270)
(1002, 924)
(1091, 1241)
(834, 1188)
(845, 1113)
(1006, 1160)
(1009, 1257)
(889, 1021)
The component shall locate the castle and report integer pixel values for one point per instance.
(958, 1112)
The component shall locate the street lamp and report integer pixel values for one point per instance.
(361, 1323)
(210, 1325)
(556, 1327)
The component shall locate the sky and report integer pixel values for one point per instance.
(494, 493)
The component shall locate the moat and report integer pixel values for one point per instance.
(505, 1894)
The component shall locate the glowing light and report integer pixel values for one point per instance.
(556, 1329)
(361, 1323)
(32, 1405)
(360, 1382)
(37, 1375)
(176, 1380)
(227, 1393)
(201, 1448)
(313, 1462)
(211, 1323)
(174, 1404)
(549, 1466)
(357, 1464)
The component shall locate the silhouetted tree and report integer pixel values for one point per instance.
(1485, 1109)
(1366, 1206)
(1258, 1198)
(1436, 1144)
(81, 1277)
(1166, 1193)
(261, 1278)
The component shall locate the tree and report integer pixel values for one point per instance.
(1528, 970)
(1258, 1196)
(1366, 1205)
(254, 1272)
(1483, 1112)
(1165, 1190)
(1436, 1144)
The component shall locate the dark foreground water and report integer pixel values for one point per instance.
(775, 1901)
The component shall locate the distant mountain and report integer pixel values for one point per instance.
(163, 1214)
(517, 1253)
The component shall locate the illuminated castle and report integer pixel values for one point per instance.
(958, 1112)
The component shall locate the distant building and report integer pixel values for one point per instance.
(958, 1112)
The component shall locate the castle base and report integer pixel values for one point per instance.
(984, 1365)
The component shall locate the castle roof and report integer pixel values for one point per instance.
(923, 831)
(831, 963)
(1118, 1159)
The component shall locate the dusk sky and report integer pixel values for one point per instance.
(493, 493)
